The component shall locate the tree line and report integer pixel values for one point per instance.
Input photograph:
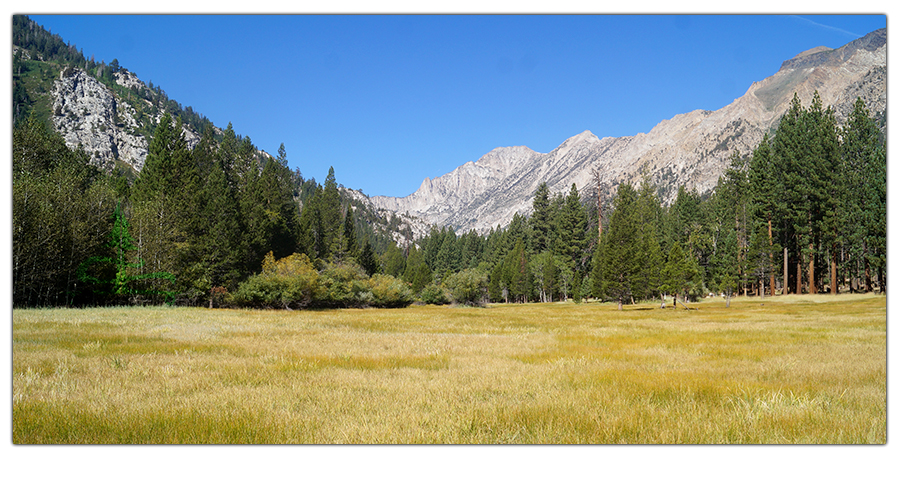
(222, 224)
(804, 212)
(193, 226)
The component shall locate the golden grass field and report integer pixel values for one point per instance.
(795, 369)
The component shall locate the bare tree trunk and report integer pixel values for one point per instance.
(868, 273)
(834, 283)
(785, 286)
(771, 263)
(812, 269)
(799, 275)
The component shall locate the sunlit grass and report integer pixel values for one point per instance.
(792, 369)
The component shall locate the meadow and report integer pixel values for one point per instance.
(794, 369)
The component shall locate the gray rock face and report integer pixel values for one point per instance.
(87, 113)
(691, 149)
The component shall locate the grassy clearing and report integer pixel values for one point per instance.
(782, 370)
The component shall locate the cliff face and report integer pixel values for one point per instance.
(87, 113)
(691, 149)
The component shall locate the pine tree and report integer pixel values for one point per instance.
(163, 193)
(349, 248)
(733, 211)
(727, 270)
(417, 273)
(621, 265)
(680, 272)
(517, 273)
(577, 281)
(367, 259)
(394, 261)
(570, 229)
(818, 161)
(649, 210)
(545, 273)
(788, 150)
(168, 172)
(496, 289)
(759, 260)
(764, 196)
(122, 284)
(541, 220)
(312, 228)
(222, 247)
(329, 206)
(832, 215)
(447, 259)
(864, 157)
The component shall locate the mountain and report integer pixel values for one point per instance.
(691, 149)
(112, 114)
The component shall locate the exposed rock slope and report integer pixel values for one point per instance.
(691, 149)
(87, 113)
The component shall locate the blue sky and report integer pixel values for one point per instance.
(390, 100)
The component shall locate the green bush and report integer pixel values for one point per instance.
(434, 294)
(291, 282)
(388, 291)
(468, 287)
(344, 285)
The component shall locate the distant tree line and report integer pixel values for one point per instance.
(805, 212)
(220, 224)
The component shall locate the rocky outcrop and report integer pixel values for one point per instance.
(691, 149)
(87, 113)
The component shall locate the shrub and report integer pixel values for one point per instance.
(388, 291)
(293, 282)
(434, 294)
(286, 283)
(344, 285)
(468, 287)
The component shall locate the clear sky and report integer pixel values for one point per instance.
(390, 100)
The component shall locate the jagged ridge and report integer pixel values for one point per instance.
(691, 149)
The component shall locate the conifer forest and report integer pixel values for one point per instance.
(220, 226)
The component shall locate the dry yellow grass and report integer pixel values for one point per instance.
(784, 370)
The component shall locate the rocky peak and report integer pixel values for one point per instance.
(690, 149)
(586, 136)
(128, 79)
(823, 56)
